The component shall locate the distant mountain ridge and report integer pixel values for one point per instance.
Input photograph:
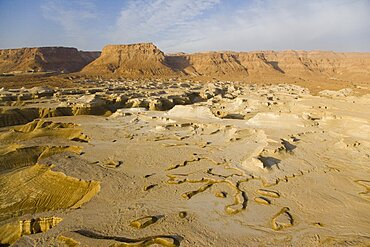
(44, 59)
(145, 60)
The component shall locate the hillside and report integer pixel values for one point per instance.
(44, 59)
(272, 65)
(136, 60)
(145, 60)
(312, 69)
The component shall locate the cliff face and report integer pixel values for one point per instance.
(218, 65)
(145, 60)
(271, 65)
(136, 60)
(223, 65)
(251, 66)
(59, 59)
(336, 65)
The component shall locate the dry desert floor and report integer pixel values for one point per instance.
(184, 164)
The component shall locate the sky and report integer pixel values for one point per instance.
(188, 25)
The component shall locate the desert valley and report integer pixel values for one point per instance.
(134, 147)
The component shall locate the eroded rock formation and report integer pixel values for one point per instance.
(136, 60)
(44, 59)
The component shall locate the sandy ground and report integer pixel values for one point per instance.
(269, 166)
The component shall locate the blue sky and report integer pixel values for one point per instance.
(188, 25)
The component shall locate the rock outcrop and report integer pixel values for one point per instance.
(224, 65)
(333, 65)
(44, 59)
(146, 60)
(213, 64)
(272, 65)
(135, 60)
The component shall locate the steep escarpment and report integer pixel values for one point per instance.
(332, 65)
(135, 60)
(145, 60)
(272, 65)
(44, 59)
(212, 64)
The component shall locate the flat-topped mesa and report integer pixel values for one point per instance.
(44, 59)
(134, 60)
(145, 60)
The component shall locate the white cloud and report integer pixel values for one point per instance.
(200, 25)
(178, 25)
(74, 18)
(156, 20)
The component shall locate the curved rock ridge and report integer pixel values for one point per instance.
(134, 60)
(44, 59)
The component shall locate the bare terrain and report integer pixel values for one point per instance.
(143, 148)
(315, 70)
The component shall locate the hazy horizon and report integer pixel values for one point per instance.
(188, 25)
